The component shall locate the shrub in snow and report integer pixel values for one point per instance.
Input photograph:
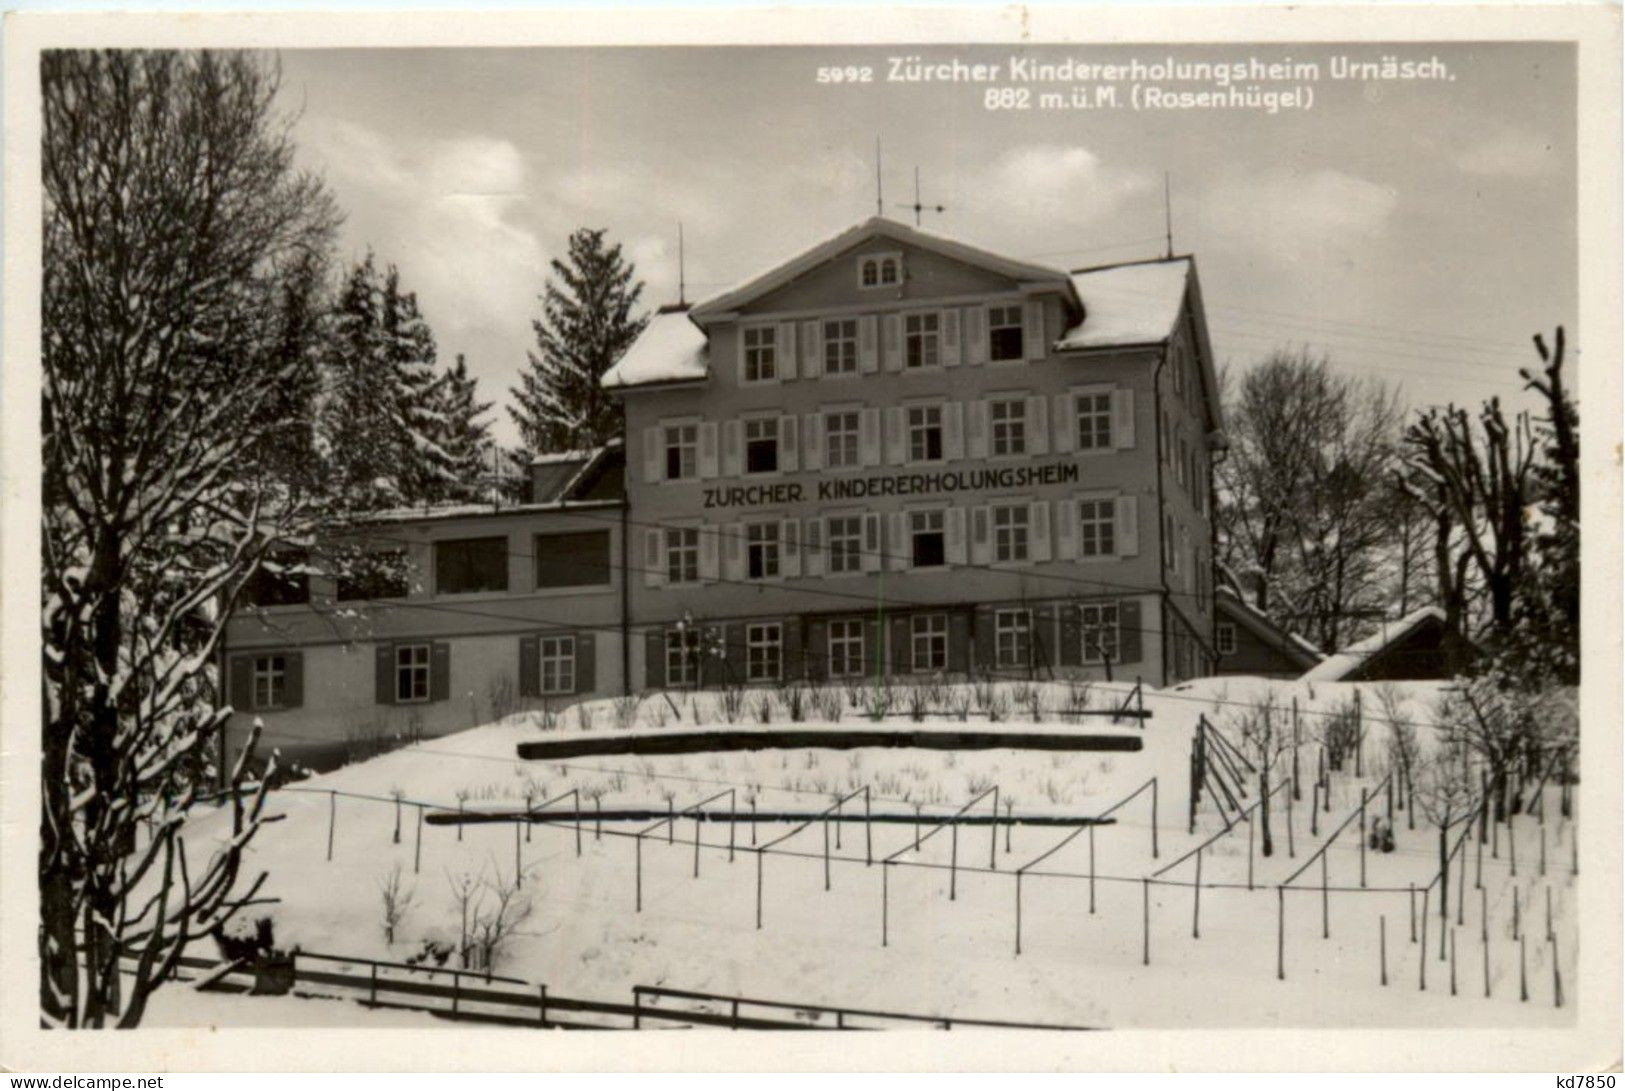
(732, 702)
(827, 704)
(764, 708)
(396, 899)
(502, 695)
(584, 717)
(626, 711)
(795, 702)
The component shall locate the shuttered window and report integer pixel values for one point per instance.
(1004, 340)
(1099, 622)
(1097, 527)
(558, 664)
(682, 555)
(682, 657)
(411, 673)
(841, 346)
(1013, 637)
(845, 648)
(1094, 415)
(842, 439)
(845, 543)
(761, 349)
(922, 340)
(928, 638)
(764, 652)
(270, 681)
(1012, 532)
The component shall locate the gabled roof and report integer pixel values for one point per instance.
(1336, 668)
(1234, 608)
(874, 227)
(564, 475)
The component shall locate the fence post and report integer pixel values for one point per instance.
(456, 988)
(953, 862)
(1297, 783)
(598, 818)
(1362, 822)
(1478, 861)
(1154, 853)
(993, 833)
(1359, 738)
(1543, 850)
(1523, 971)
(733, 820)
(1461, 882)
(838, 824)
(637, 1009)
(1018, 911)
(1145, 899)
(1517, 924)
(332, 816)
(1484, 912)
(758, 889)
(1557, 977)
(1325, 900)
(1452, 962)
(1314, 810)
(576, 800)
(417, 850)
(1382, 947)
(826, 854)
(885, 900)
(1422, 963)
(541, 1004)
(916, 826)
(372, 983)
(518, 869)
(1196, 900)
(1250, 825)
(1410, 890)
(1091, 869)
(1291, 847)
(1280, 927)
(753, 819)
(1512, 843)
(696, 844)
(1486, 965)
(868, 830)
(1550, 934)
(637, 842)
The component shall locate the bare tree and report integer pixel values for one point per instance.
(1269, 748)
(1446, 794)
(173, 224)
(397, 900)
(494, 927)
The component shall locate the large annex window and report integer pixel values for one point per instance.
(921, 339)
(411, 673)
(880, 270)
(682, 555)
(471, 564)
(1012, 637)
(764, 652)
(928, 538)
(1004, 334)
(682, 657)
(1099, 626)
(929, 642)
(845, 543)
(280, 581)
(841, 439)
(374, 575)
(762, 445)
(761, 354)
(574, 559)
(845, 648)
(841, 346)
(558, 664)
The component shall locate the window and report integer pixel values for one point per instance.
(1008, 423)
(929, 642)
(880, 270)
(845, 648)
(379, 575)
(1096, 528)
(682, 555)
(1004, 333)
(682, 452)
(891, 270)
(762, 550)
(925, 433)
(761, 354)
(841, 346)
(1094, 421)
(1182, 467)
(764, 652)
(841, 439)
(276, 583)
(558, 668)
(411, 673)
(471, 564)
(682, 657)
(1012, 637)
(762, 445)
(845, 543)
(1098, 622)
(1224, 638)
(270, 681)
(921, 339)
(869, 276)
(1010, 532)
(929, 541)
(1170, 547)
(575, 559)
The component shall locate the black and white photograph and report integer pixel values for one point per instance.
(1001, 530)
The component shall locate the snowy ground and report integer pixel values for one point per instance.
(942, 956)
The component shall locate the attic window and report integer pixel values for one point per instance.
(880, 270)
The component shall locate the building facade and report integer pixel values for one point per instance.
(898, 453)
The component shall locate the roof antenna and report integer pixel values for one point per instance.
(880, 202)
(682, 284)
(917, 206)
(1168, 213)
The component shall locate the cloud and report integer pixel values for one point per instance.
(1511, 153)
(1050, 191)
(1289, 213)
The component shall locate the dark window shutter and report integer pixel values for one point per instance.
(439, 671)
(901, 657)
(654, 658)
(817, 654)
(874, 648)
(1128, 630)
(985, 660)
(1043, 638)
(586, 663)
(1071, 650)
(530, 667)
(384, 657)
(733, 636)
(293, 686)
(959, 642)
(794, 662)
(242, 683)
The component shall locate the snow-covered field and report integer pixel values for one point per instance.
(942, 956)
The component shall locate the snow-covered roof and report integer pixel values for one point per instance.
(425, 513)
(671, 349)
(1134, 304)
(1335, 668)
(784, 272)
(1239, 609)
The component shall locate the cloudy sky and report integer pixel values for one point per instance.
(1418, 232)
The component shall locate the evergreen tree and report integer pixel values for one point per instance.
(465, 438)
(586, 325)
(381, 419)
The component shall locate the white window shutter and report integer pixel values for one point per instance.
(790, 548)
(1038, 425)
(950, 338)
(1128, 526)
(981, 535)
(812, 439)
(733, 551)
(892, 341)
(872, 545)
(654, 558)
(974, 335)
(1066, 425)
(1038, 522)
(956, 536)
(652, 450)
(812, 353)
(896, 436)
(953, 431)
(814, 543)
(1066, 529)
(976, 432)
(787, 351)
(733, 439)
(789, 445)
(897, 543)
(1123, 418)
(708, 449)
(708, 553)
(868, 343)
(869, 436)
(1032, 337)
